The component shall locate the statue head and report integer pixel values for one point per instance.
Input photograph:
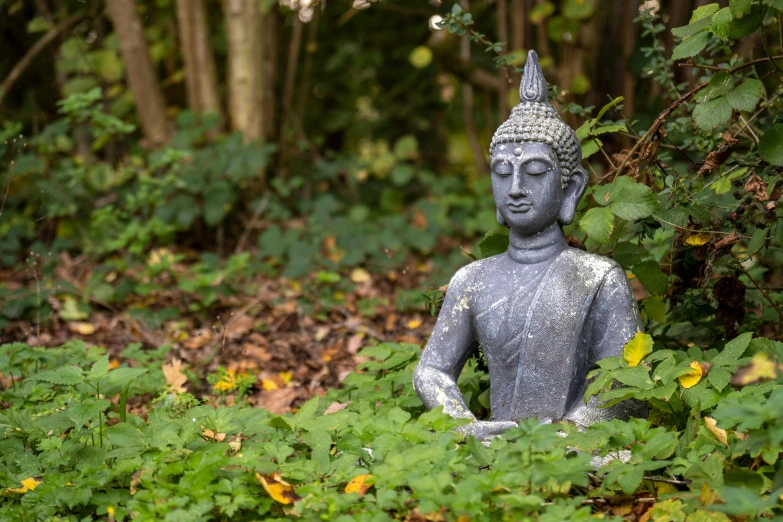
(537, 179)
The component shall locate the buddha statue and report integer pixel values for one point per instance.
(543, 312)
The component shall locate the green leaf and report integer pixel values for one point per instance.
(540, 12)
(495, 242)
(740, 8)
(307, 411)
(719, 377)
(733, 350)
(746, 96)
(726, 26)
(771, 145)
(590, 147)
(399, 415)
(651, 277)
(691, 46)
(578, 9)
(100, 368)
(692, 28)
(703, 12)
(757, 241)
(712, 114)
(720, 84)
(121, 377)
(608, 106)
(38, 25)
(637, 376)
(65, 375)
(609, 128)
(598, 223)
(479, 452)
(629, 200)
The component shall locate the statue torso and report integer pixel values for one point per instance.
(528, 319)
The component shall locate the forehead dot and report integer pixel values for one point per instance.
(518, 151)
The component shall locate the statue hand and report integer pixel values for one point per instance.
(485, 430)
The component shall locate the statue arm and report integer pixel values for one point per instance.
(613, 321)
(451, 343)
(447, 351)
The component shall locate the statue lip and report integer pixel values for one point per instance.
(519, 207)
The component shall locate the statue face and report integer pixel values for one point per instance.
(527, 186)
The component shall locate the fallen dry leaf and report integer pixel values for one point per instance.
(757, 186)
(720, 434)
(360, 275)
(335, 407)
(81, 328)
(414, 323)
(277, 401)
(280, 490)
(172, 372)
(201, 338)
(211, 435)
(761, 368)
(354, 344)
(358, 485)
(28, 484)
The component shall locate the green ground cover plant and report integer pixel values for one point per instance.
(73, 449)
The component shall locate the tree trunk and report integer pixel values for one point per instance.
(505, 74)
(271, 22)
(140, 72)
(200, 74)
(245, 67)
(518, 26)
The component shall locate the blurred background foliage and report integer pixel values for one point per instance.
(198, 145)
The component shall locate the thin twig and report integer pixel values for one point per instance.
(252, 223)
(661, 119)
(668, 481)
(762, 291)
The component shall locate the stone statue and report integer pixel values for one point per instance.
(543, 312)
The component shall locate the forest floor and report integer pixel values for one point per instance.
(278, 330)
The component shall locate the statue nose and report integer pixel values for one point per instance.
(517, 189)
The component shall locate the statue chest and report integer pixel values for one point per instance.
(530, 337)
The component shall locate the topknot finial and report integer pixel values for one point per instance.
(533, 87)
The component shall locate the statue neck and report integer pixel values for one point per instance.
(538, 247)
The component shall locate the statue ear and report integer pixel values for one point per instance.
(574, 191)
(501, 221)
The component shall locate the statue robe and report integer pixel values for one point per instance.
(542, 329)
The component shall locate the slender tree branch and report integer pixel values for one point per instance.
(766, 296)
(22, 65)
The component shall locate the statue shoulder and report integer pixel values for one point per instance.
(592, 266)
(475, 272)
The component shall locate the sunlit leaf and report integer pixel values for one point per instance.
(697, 240)
(358, 485)
(637, 348)
(719, 433)
(280, 490)
(693, 377)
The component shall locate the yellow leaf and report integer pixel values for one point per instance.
(360, 275)
(637, 348)
(210, 434)
(697, 240)
(691, 378)
(269, 384)
(27, 485)
(662, 488)
(357, 485)
(761, 368)
(172, 372)
(286, 376)
(30, 483)
(114, 364)
(719, 433)
(226, 383)
(414, 323)
(280, 490)
(81, 328)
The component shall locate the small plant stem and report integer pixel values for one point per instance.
(661, 119)
(668, 481)
(766, 296)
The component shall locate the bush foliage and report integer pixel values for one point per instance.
(73, 448)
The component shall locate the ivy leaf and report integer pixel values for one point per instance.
(746, 96)
(691, 46)
(598, 223)
(652, 277)
(637, 348)
(712, 114)
(771, 145)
